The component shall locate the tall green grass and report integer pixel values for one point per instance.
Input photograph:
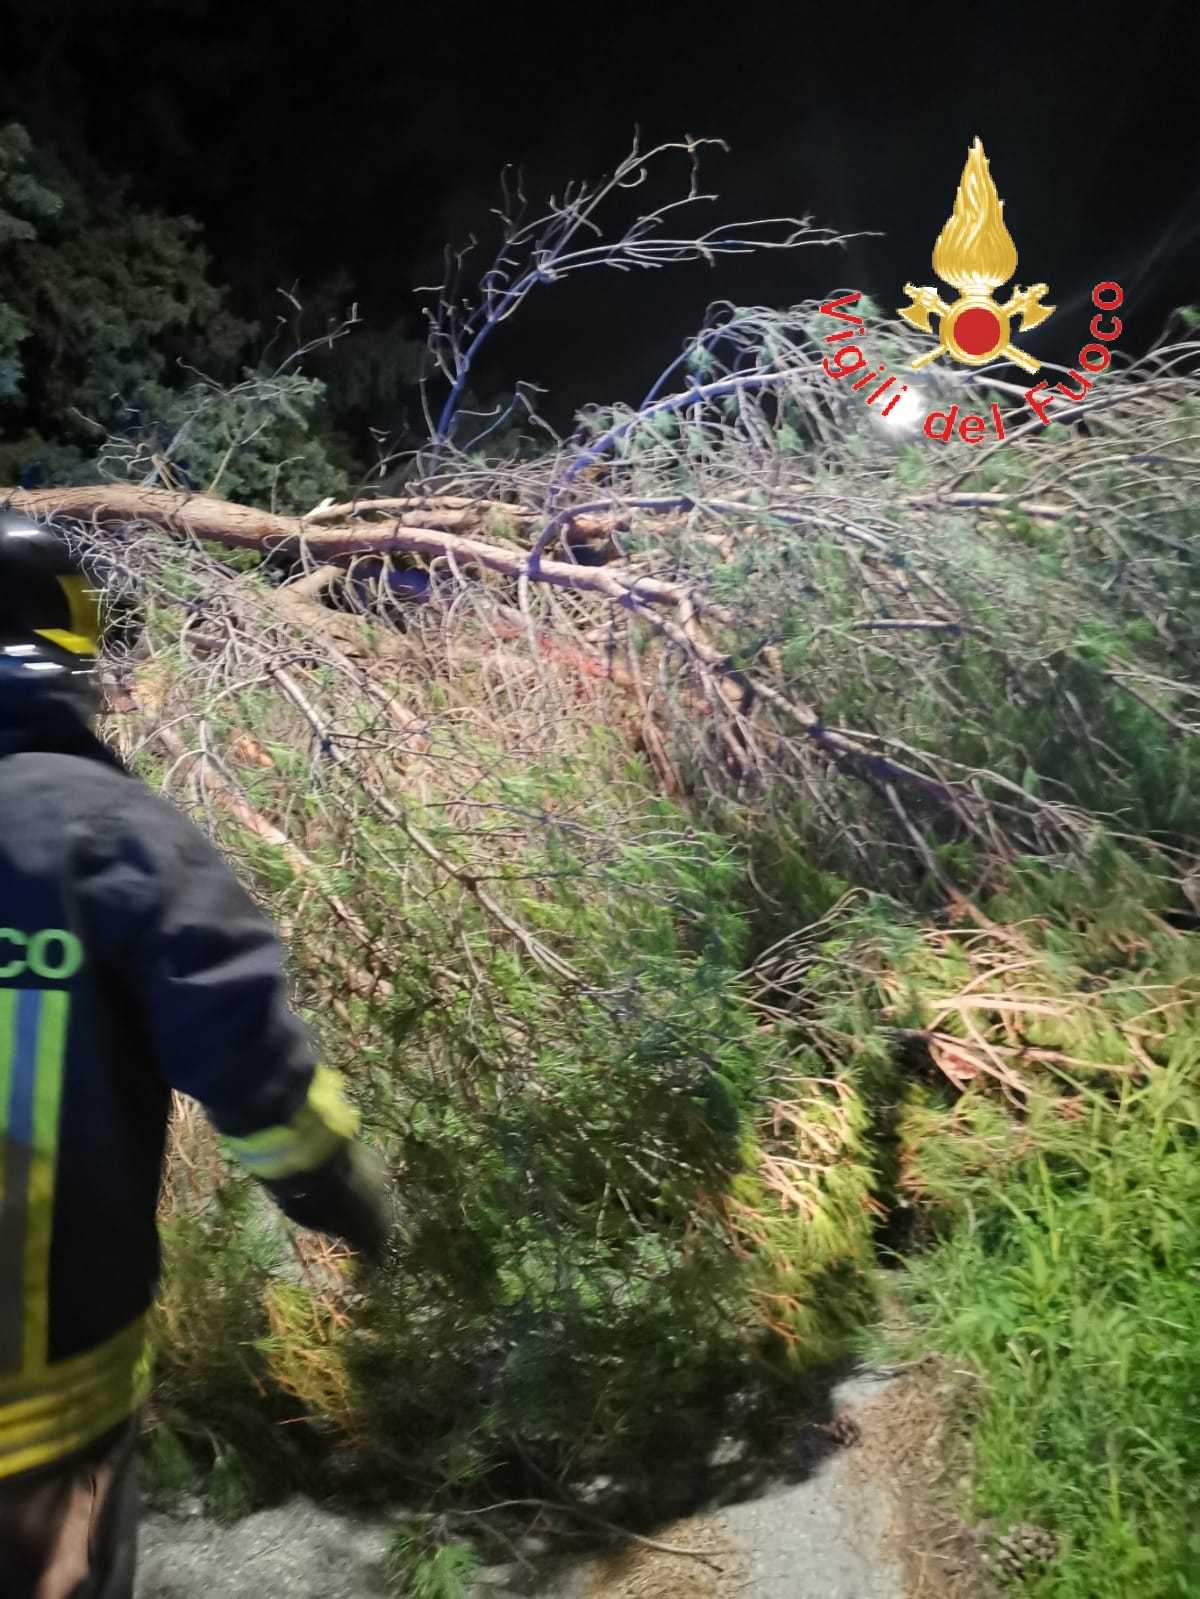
(1068, 1284)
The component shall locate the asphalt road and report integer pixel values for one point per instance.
(822, 1537)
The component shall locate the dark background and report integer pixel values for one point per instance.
(320, 142)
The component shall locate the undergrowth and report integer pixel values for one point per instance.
(1071, 1290)
(1061, 1267)
(617, 1206)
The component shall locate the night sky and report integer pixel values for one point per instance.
(357, 137)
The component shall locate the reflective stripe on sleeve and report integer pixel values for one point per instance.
(324, 1122)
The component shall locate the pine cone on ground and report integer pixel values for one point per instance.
(843, 1430)
(1024, 1549)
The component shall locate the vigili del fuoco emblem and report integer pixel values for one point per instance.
(975, 253)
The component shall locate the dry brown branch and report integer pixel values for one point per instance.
(223, 522)
(242, 527)
(450, 511)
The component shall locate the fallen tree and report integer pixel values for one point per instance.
(905, 891)
(675, 559)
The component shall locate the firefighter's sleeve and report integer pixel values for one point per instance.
(206, 973)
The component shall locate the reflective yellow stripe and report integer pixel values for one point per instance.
(50, 1414)
(13, 1165)
(46, 1411)
(323, 1122)
(33, 1031)
(125, 1348)
(47, 1101)
(8, 1000)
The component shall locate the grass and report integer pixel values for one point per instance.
(1071, 1289)
(417, 1566)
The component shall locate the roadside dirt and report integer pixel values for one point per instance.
(914, 1437)
(834, 1527)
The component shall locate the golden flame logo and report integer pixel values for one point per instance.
(976, 254)
(975, 251)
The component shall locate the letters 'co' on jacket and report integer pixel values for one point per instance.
(131, 962)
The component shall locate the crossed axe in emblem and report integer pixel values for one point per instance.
(1025, 303)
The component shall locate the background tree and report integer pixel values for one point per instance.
(115, 344)
(24, 204)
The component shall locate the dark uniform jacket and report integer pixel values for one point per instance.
(131, 963)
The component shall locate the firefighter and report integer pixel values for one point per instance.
(131, 963)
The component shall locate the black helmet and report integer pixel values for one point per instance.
(49, 618)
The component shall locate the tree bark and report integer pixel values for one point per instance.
(243, 527)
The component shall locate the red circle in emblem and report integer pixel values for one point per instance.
(977, 330)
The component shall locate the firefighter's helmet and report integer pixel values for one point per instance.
(49, 616)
